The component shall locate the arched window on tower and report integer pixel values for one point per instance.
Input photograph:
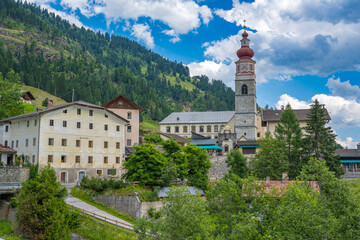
(244, 89)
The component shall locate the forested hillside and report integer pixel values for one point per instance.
(53, 55)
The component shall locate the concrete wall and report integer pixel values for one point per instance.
(14, 174)
(131, 205)
(7, 212)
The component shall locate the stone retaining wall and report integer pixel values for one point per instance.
(219, 167)
(7, 212)
(14, 174)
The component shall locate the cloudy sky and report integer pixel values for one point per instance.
(305, 50)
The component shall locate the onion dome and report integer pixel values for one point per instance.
(245, 51)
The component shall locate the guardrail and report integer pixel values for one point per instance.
(104, 218)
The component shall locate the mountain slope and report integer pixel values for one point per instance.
(56, 56)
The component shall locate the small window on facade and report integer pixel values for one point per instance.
(129, 115)
(201, 129)
(77, 159)
(64, 124)
(244, 89)
(128, 142)
(65, 111)
(91, 144)
(105, 127)
(26, 142)
(90, 159)
(91, 126)
(117, 160)
(106, 116)
(12, 144)
(35, 122)
(63, 142)
(117, 145)
(176, 129)
(28, 123)
(193, 128)
(7, 129)
(51, 142)
(263, 124)
(226, 149)
(17, 143)
(99, 172)
(105, 159)
(78, 124)
(50, 158)
(168, 129)
(185, 129)
(106, 144)
(216, 128)
(34, 141)
(78, 143)
(63, 158)
(6, 143)
(118, 128)
(244, 134)
(33, 158)
(51, 122)
(78, 111)
(112, 171)
(91, 112)
(258, 134)
(129, 128)
(208, 128)
(120, 104)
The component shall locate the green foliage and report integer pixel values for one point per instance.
(145, 166)
(271, 159)
(34, 170)
(174, 152)
(153, 139)
(183, 217)
(42, 211)
(10, 104)
(100, 185)
(289, 132)
(237, 163)
(45, 102)
(319, 140)
(14, 202)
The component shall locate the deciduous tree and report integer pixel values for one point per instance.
(237, 163)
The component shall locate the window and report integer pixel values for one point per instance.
(12, 144)
(51, 142)
(6, 128)
(193, 128)
(216, 128)
(6, 143)
(176, 129)
(17, 143)
(185, 129)
(34, 141)
(91, 144)
(78, 124)
(105, 159)
(28, 123)
(117, 145)
(129, 115)
(106, 116)
(208, 128)
(128, 142)
(26, 142)
(65, 111)
(78, 111)
(118, 128)
(90, 159)
(168, 129)
(63, 158)
(244, 89)
(50, 158)
(77, 143)
(35, 122)
(106, 144)
(258, 134)
(263, 124)
(105, 127)
(99, 172)
(226, 148)
(129, 128)
(117, 160)
(112, 171)
(120, 104)
(77, 159)
(63, 142)
(91, 113)
(33, 158)
(64, 124)
(91, 126)
(244, 134)
(201, 129)
(51, 122)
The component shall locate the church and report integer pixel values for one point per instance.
(233, 129)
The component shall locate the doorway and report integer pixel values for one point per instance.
(63, 177)
(81, 175)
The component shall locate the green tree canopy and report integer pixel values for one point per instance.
(237, 163)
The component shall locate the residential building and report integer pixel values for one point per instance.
(76, 139)
(128, 110)
(180, 140)
(350, 160)
(27, 97)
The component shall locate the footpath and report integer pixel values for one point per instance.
(97, 213)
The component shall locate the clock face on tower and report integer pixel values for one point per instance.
(244, 67)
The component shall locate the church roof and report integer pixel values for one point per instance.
(274, 115)
(198, 117)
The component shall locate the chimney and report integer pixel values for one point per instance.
(285, 177)
(268, 180)
(50, 103)
(358, 147)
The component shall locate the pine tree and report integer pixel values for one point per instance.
(237, 163)
(289, 132)
(319, 140)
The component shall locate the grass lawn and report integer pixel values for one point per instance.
(7, 231)
(40, 95)
(81, 194)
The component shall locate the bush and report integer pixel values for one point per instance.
(100, 185)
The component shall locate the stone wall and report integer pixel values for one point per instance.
(14, 174)
(219, 168)
(7, 212)
(131, 205)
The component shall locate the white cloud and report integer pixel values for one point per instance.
(295, 103)
(347, 143)
(143, 33)
(173, 34)
(343, 89)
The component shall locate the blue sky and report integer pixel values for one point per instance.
(305, 49)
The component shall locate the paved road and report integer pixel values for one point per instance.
(99, 214)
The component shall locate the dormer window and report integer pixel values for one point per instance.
(120, 104)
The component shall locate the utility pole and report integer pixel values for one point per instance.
(73, 95)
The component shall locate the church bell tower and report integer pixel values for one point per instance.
(245, 92)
